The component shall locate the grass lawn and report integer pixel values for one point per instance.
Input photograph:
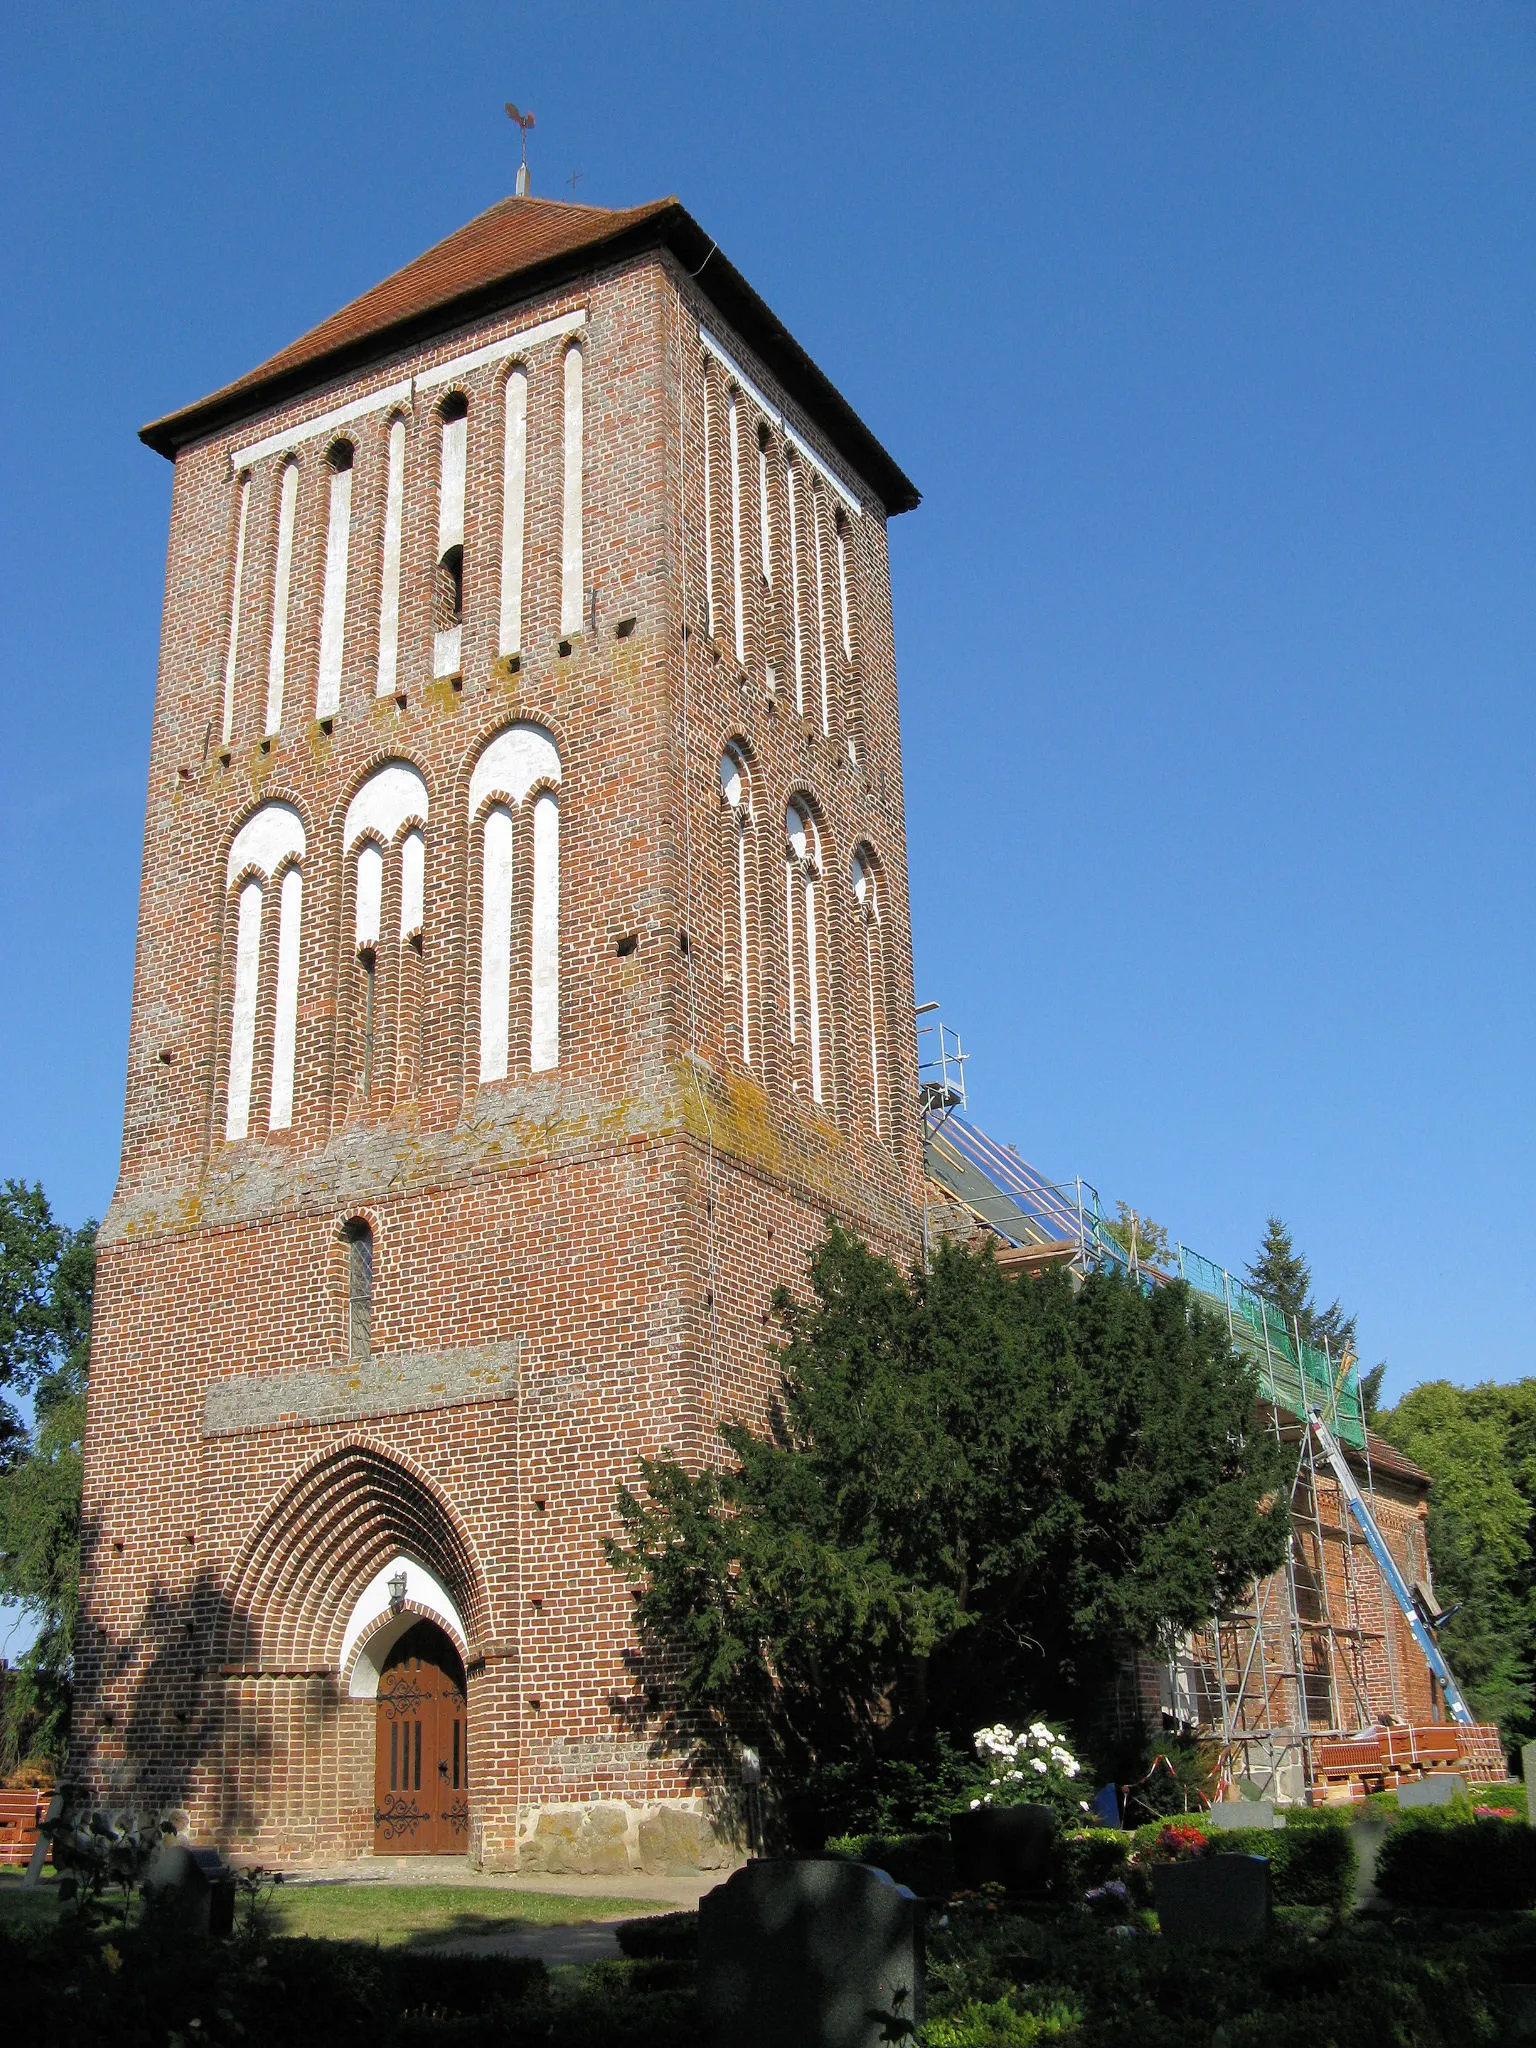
(20, 1908)
(392, 1914)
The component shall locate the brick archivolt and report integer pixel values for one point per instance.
(321, 1542)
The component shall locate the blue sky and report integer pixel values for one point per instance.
(1208, 334)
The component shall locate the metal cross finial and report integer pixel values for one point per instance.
(573, 180)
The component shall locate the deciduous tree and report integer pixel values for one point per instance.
(47, 1275)
(1478, 1444)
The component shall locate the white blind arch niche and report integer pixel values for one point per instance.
(384, 849)
(806, 936)
(271, 843)
(522, 758)
(736, 949)
(572, 587)
(390, 796)
(864, 874)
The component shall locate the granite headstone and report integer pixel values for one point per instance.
(1243, 1813)
(1438, 1790)
(1367, 1834)
(195, 1886)
(1221, 1901)
(808, 1953)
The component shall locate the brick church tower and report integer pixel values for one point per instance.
(524, 974)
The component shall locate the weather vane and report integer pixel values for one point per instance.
(524, 122)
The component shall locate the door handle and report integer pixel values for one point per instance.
(442, 1768)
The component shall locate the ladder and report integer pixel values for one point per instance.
(1328, 1444)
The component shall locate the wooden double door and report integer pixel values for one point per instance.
(421, 1764)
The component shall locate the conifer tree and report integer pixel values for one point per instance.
(1283, 1276)
(974, 1494)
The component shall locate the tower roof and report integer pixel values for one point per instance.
(513, 249)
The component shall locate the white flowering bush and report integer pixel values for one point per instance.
(1034, 1767)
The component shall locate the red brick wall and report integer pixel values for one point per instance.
(1361, 1664)
(623, 1219)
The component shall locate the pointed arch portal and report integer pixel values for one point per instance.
(361, 1567)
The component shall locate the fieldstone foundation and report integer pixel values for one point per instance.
(615, 1837)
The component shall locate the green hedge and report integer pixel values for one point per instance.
(924, 1863)
(154, 1982)
(1312, 1860)
(1443, 1859)
(1308, 1866)
(1088, 1858)
(673, 1937)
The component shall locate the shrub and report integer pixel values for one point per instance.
(151, 1983)
(1034, 1767)
(1503, 1799)
(1308, 1866)
(1354, 1984)
(642, 1973)
(1181, 1779)
(670, 1936)
(924, 1863)
(1312, 1858)
(473, 1986)
(893, 1795)
(1088, 1859)
(999, 2024)
(1436, 1859)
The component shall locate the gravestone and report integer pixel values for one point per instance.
(1007, 1845)
(1438, 1790)
(808, 1953)
(1367, 1836)
(1214, 1901)
(1243, 1813)
(194, 1886)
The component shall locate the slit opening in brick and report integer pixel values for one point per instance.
(627, 944)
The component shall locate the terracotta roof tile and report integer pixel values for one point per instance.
(512, 236)
(513, 249)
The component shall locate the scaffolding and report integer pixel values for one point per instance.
(1291, 1682)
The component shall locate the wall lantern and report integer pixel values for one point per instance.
(397, 1592)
